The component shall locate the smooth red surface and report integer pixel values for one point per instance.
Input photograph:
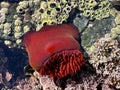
(49, 40)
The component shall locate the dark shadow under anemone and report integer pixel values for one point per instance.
(86, 73)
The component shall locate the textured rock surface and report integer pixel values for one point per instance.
(106, 60)
(91, 31)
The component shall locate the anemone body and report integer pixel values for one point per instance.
(54, 50)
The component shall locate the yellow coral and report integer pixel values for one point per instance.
(7, 25)
(17, 35)
(23, 4)
(43, 5)
(7, 42)
(5, 4)
(117, 19)
(48, 12)
(93, 9)
(18, 41)
(18, 22)
(26, 28)
(36, 2)
(4, 10)
(115, 32)
(114, 12)
(18, 28)
(1, 26)
(39, 26)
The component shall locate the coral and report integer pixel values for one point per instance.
(115, 32)
(26, 28)
(4, 10)
(4, 4)
(95, 9)
(7, 28)
(2, 16)
(18, 22)
(106, 59)
(114, 12)
(117, 19)
(51, 12)
(7, 42)
(28, 84)
(48, 83)
(22, 6)
(34, 14)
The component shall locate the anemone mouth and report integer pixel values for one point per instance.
(62, 63)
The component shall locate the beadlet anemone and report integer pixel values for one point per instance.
(54, 50)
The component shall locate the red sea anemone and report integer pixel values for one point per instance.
(54, 50)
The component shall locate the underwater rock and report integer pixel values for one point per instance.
(115, 4)
(96, 30)
(81, 22)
